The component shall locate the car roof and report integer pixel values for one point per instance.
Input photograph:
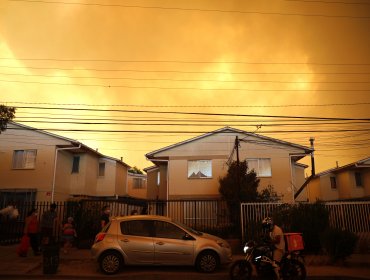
(141, 217)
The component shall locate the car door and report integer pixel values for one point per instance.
(172, 245)
(136, 241)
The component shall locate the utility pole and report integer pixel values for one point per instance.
(237, 150)
(312, 157)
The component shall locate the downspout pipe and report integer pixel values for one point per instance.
(55, 167)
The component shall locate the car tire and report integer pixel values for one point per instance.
(207, 261)
(110, 262)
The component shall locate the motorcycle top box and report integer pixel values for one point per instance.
(293, 241)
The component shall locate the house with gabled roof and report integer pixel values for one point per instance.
(42, 166)
(348, 182)
(191, 169)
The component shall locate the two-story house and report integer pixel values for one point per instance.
(42, 166)
(191, 169)
(351, 181)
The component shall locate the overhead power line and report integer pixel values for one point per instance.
(187, 88)
(330, 2)
(192, 9)
(184, 61)
(191, 113)
(185, 80)
(182, 131)
(184, 72)
(189, 106)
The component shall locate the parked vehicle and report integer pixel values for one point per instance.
(157, 240)
(260, 256)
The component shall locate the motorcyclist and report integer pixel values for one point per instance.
(277, 240)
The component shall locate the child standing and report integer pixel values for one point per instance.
(68, 234)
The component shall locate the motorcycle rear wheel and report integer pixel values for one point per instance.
(293, 270)
(240, 270)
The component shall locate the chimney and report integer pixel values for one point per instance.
(337, 164)
(312, 157)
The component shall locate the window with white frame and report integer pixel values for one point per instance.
(199, 169)
(158, 179)
(262, 166)
(24, 159)
(101, 169)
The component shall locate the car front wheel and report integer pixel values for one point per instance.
(110, 262)
(207, 261)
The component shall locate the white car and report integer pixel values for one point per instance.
(157, 240)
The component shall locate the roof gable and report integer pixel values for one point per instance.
(227, 129)
(71, 141)
(361, 163)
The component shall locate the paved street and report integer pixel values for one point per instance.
(78, 264)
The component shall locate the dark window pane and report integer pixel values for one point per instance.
(138, 228)
(76, 164)
(168, 230)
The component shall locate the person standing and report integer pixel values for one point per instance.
(31, 229)
(48, 221)
(104, 219)
(68, 234)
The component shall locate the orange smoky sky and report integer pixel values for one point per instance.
(260, 57)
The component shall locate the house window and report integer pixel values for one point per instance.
(358, 179)
(199, 169)
(24, 159)
(101, 169)
(333, 182)
(76, 164)
(262, 166)
(158, 179)
(137, 183)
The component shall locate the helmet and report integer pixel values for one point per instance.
(268, 224)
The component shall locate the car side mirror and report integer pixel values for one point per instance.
(188, 237)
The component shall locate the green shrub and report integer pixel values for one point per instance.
(338, 244)
(309, 219)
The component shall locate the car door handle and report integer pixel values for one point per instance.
(160, 243)
(125, 240)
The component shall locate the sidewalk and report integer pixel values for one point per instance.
(79, 264)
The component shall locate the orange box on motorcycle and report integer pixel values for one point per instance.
(294, 241)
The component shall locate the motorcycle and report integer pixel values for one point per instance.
(260, 257)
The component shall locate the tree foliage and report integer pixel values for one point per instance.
(135, 170)
(239, 185)
(6, 115)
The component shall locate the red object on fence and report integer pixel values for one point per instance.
(23, 246)
(294, 241)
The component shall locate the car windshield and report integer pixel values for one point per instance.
(188, 228)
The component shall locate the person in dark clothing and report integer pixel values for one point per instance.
(104, 219)
(48, 221)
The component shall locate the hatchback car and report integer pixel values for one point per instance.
(157, 240)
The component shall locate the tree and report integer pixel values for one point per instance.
(269, 194)
(135, 170)
(6, 115)
(238, 186)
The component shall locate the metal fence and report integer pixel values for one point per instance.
(352, 216)
(204, 215)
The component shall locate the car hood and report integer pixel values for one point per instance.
(212, 237)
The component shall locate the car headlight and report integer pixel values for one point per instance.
(245, 249)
